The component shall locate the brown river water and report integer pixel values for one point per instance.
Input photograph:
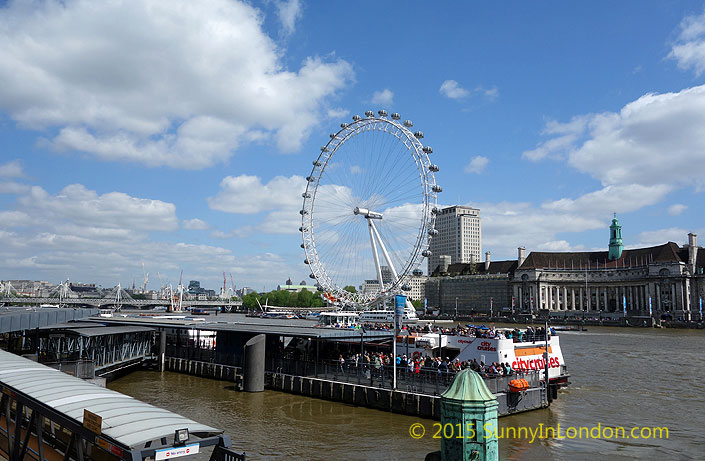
(619, 377)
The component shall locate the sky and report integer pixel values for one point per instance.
(178, 134)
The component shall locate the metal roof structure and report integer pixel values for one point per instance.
(102, 331)
(254, 328)
(135, 427)
(18, 319)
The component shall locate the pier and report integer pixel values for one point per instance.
(214, 350)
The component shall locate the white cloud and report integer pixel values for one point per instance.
(689, 49)
(338, 113)
(14, 219)
(477, 164)
(452, 89)
(246, 194)
(289, 12)
(109, 90)
(12, 169)
(490, 93)
(87, 237)
(567, 134)
(661, 236)
(13, 188)
(677, 209)
(83, 207)
(655, 140)
(384, 97)
(621, 199)
(195, 224)
(286, 221)
(508, 225)
(558, 245)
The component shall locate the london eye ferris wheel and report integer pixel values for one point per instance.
(369, 209)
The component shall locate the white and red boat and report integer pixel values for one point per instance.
(522, 356)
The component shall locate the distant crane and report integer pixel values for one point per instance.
(232, 284)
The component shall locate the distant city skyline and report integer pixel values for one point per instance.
(182, 141)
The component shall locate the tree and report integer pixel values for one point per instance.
(350, 289)
(249, 301)
(304, 298)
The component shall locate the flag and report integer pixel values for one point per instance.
(651, 312)
(624, 302)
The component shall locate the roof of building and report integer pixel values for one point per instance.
(668, 252)
(126, 420)
(496, 267)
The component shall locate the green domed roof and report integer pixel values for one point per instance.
(468, 386)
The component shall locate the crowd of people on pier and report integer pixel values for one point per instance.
(442, 367)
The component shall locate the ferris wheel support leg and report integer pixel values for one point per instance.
(370, 227)
(384, 251)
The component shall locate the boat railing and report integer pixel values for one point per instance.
(427, 380)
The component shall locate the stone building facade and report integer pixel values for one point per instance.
(664, 280)
(474, 288)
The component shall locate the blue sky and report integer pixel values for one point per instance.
(178, 133)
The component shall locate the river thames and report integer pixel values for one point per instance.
(619, 377)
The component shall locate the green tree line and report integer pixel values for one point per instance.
(282, 298)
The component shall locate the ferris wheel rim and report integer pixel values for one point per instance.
(426, 169)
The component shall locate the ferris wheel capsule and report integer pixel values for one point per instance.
(306, 195)
(382, 113)
(434, 168)
(357, 118)
(427, 149)
(436, 188)
(369, 113)
(418, 272)
(418, 135)
(343, 125)
(408, 123)
(426, 253)
(395, 116)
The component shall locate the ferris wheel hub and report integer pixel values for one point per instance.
(369, 214)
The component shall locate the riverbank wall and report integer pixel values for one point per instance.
(395, 401)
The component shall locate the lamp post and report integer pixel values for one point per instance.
(456, 308)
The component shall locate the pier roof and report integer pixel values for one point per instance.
(279, 329)
(18, 319)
